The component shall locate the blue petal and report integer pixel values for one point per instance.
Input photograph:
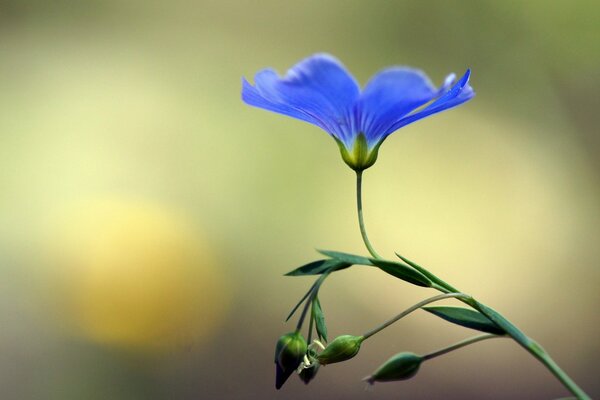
(318, 90)
(390, 95)
(252, 96)
(456, 95)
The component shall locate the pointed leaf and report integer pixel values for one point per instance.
(318, 267)
(507, 326)
(403, 272)
(300, 302)
(347, 258)
(319, 318)
(428, 274)
(466, 317)
(416, 266)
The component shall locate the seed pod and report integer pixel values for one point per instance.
(399, 367)
(342, 348)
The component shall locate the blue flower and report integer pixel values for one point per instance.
(320, 90)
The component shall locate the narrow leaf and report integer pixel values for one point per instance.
(507, 326)
(301, 301)
(403, 272)
(428, 274)
(347, 258)
(318, 267)
(319, 317)
(328, 267)
(416, 266)
(466, 317)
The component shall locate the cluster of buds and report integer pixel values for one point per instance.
(293, 354)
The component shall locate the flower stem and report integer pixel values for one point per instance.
(361, 222)
(311, 297)
(310, 330)
(460, 344)
(527, 343)
(517, 335)
(562, 376)
(411, 309)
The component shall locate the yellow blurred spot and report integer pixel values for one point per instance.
(140, 276)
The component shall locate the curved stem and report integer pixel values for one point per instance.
(361, 222)
(411, 309)
(458, 345)
(528, 344)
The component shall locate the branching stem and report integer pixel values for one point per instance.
(311, 297)
(531, 346)
(411, 309)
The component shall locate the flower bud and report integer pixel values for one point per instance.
(400, 367)
(342, 348)
(289, 352)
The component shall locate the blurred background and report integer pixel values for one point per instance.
(147, 215)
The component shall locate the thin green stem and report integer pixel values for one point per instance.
(361, 222)
(310, 290)
(562, 376)
(460, 344)
(311, 297)
(310, 330)
(531, 346)
(410, 310)
(528, 344)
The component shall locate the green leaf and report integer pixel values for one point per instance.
(300, 302)
(396, 269)
(417, 267)
(403, 272)
(428, 274)
(318, 267)
(507, 327)
(466, 317)
(347, 258)
(319, 318)
(322, 267)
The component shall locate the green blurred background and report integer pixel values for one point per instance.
(147, 214)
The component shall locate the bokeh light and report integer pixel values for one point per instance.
(137, 276)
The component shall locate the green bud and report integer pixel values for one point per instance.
(289, 352)
(400, 367)
(342, 348)
(359, 157)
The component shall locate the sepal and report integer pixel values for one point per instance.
(359, 157)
